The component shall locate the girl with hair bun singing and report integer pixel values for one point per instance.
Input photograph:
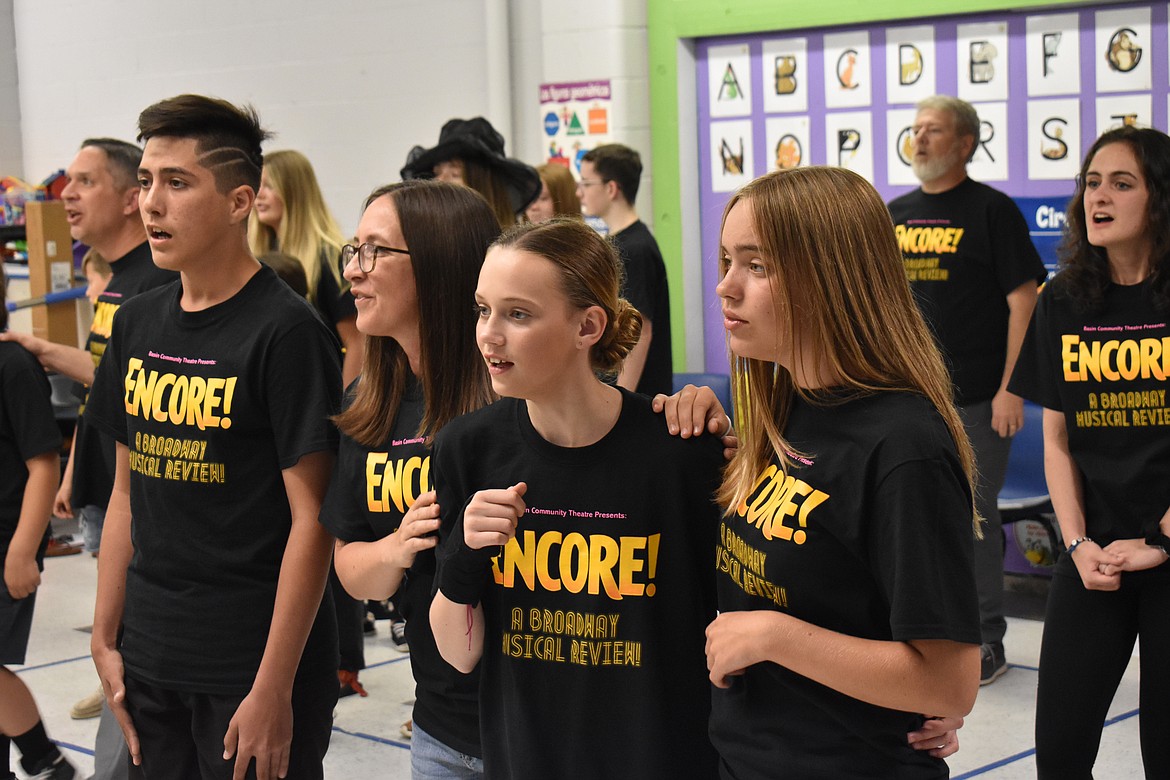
(577, 533)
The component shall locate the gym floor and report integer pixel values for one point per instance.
(997, 742)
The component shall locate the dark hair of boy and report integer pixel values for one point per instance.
(3, 301)
(617, 163)
(289, 269)
(227, 138)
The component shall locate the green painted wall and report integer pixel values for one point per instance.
(669, 21)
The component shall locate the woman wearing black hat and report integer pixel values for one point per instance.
(471, 152)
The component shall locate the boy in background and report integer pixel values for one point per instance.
(30, 465)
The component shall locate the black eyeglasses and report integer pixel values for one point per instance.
(367, 255)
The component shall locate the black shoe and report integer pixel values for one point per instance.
(380, 610)
(398, 636)
(54, 767)
(993, 664)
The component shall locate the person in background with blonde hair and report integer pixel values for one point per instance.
(558, 195)
(291, 216)
(847, 601)
(587, 628)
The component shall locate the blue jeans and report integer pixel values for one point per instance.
(92, 519)
(430, 759)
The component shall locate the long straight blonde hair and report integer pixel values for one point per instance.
(308, 230)
(838, 284)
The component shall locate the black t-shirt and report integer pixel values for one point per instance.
(370, 492)
(27, 429)
(213, 405)
(93, 459)
(593, 662)
(870, 535)
(332, 302)
(645, 287)
(1106, 372)
(964, 250)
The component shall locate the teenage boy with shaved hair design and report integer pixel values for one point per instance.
(215, 649)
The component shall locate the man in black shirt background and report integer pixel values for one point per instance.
(609, 184)
(974, 272)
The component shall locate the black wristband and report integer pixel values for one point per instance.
(1158, 539)
(460, 572)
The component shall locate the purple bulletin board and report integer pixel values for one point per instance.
(1045, 84)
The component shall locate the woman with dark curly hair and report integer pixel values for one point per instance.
(1096, 358)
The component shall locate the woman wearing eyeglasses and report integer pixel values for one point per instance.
(413, 268)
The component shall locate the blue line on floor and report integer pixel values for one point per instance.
(372, 738)
(995, 765)
(391, 661)
(1011, 759)
(1121, 717)
(24, 669)
(74, 748)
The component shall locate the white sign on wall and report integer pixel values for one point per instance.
(990, 162)
(900, 148)
(788, 140)
(575, 117)
(848, 66)
(1054, 139)
(732, 165)
(1117, 110)
(1053, 45)
(911, 69)
(784, 77)
(729, 80)
(849, 142)
(983, 61)
(1122, 40)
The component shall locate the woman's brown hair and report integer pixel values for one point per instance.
(591, 275)
(562, 187)
(838, 283)
(447, 228)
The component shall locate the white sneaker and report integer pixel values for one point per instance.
(398, 636)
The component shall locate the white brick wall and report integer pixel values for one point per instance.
(351, 83)
(11, 155)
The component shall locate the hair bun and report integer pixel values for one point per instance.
(620, 337)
